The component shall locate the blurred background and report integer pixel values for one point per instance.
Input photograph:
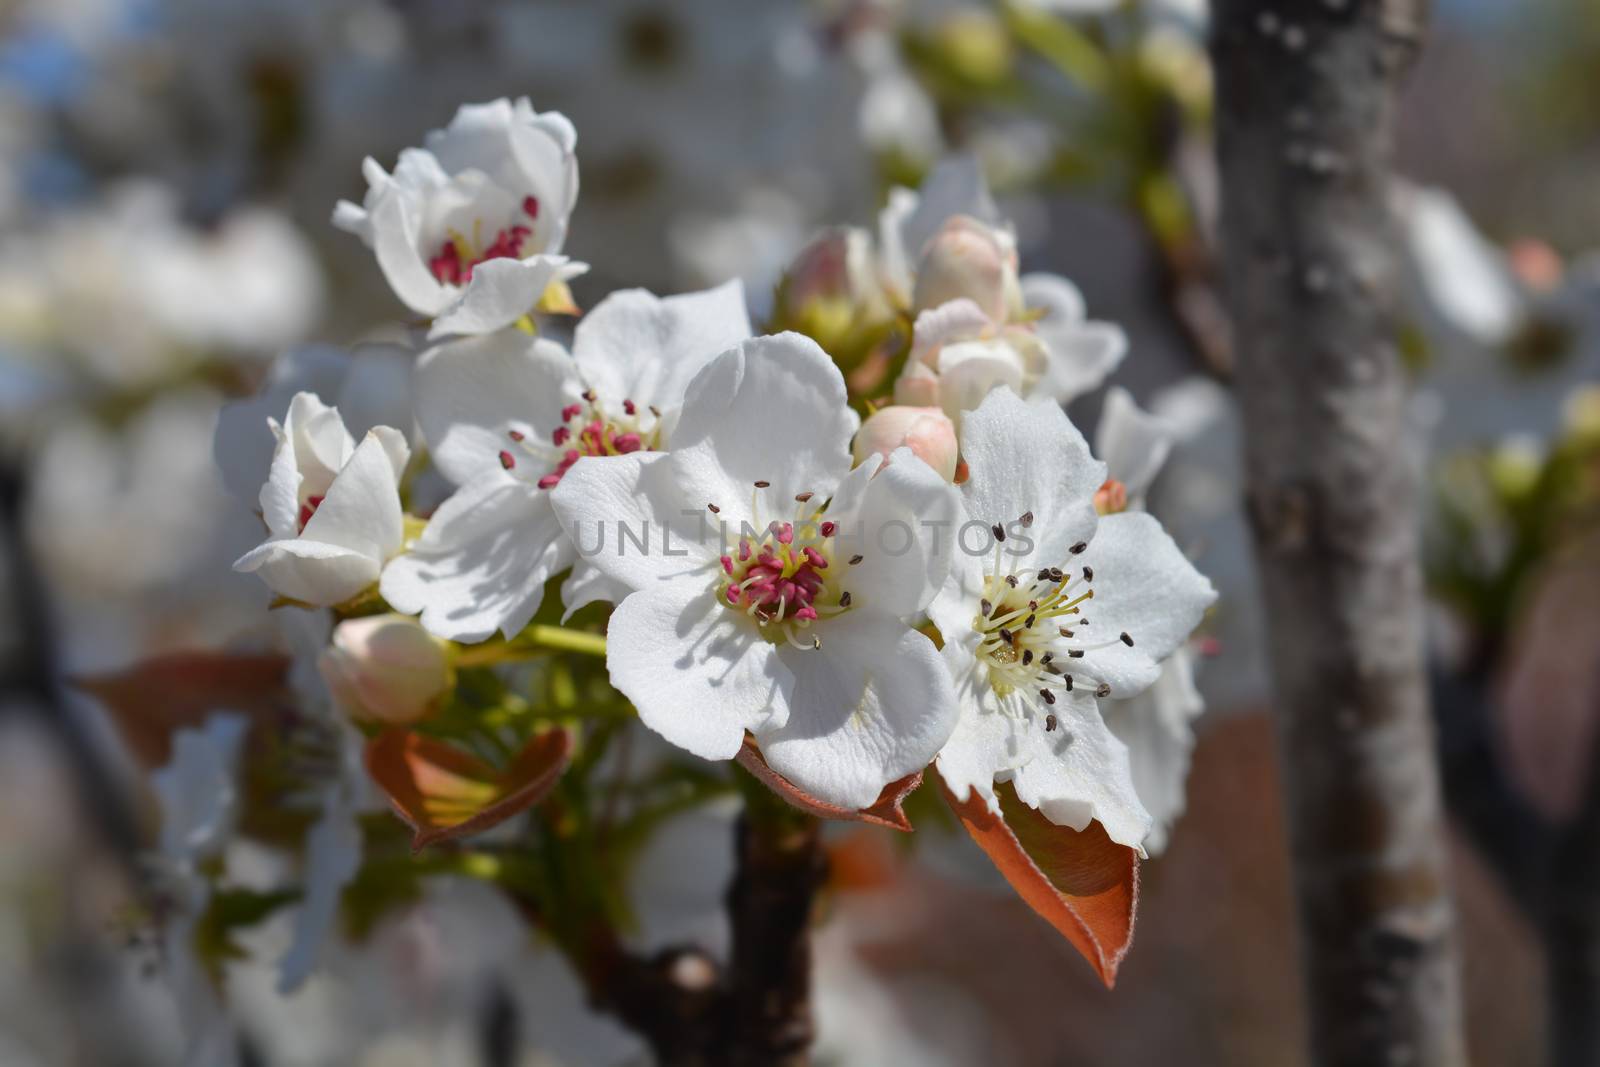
(166, 178)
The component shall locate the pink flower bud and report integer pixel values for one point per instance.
(967, 259)
(832, 293)
(385, 667)
(928, 432)
(836, 265)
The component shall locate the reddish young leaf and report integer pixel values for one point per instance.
(885, 811)
(152, 700)
(1081, 882)
(443, 793)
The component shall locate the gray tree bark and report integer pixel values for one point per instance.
(1306, 96)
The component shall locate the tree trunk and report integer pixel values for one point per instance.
(1306, 100)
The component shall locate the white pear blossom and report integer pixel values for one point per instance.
(332, 507)
(506, 417)
(370, 384)
(772, 593)
(1069, 608)
(949, 257)
(468, 229)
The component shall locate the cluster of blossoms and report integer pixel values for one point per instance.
(955, 582)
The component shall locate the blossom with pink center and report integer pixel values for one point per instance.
(776, 588)
(332, 507)
(506, 416)
(468, 229)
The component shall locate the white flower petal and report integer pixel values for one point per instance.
(896, 259)
(543, 151)
(477, 138)
(970, 370)
(1058, 298)
(472, 392)
(954, 320)
(482, 562)
(396, 222)
(903, 523)
(1080, 356)
(629, 520)
(1145, 587)
(698, 673)
(1132, 443)
(1462, 274)
(872, 705)
(501, 292)
(1157, 726)
(310, 571)
(588, 584)
(773, 409)
(639, 347)
(361, 510)
(1073, 774)
(1028, 457)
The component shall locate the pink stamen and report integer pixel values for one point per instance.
(448, 268)
(827, 529)
(628, 442)
(570, 412)
(309, 508)
(559, 437)
(507, 460)
(727, 564)
(627, 405)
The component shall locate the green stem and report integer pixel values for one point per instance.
(531, 642)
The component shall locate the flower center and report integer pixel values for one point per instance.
(309, 508)
(588, 428)
(784, 575)
(1032, 632)
(454, 262)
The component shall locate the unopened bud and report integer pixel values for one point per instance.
(385, 667)
(967, 259)
(928, 432)
(1111, 498)
(831, 292)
